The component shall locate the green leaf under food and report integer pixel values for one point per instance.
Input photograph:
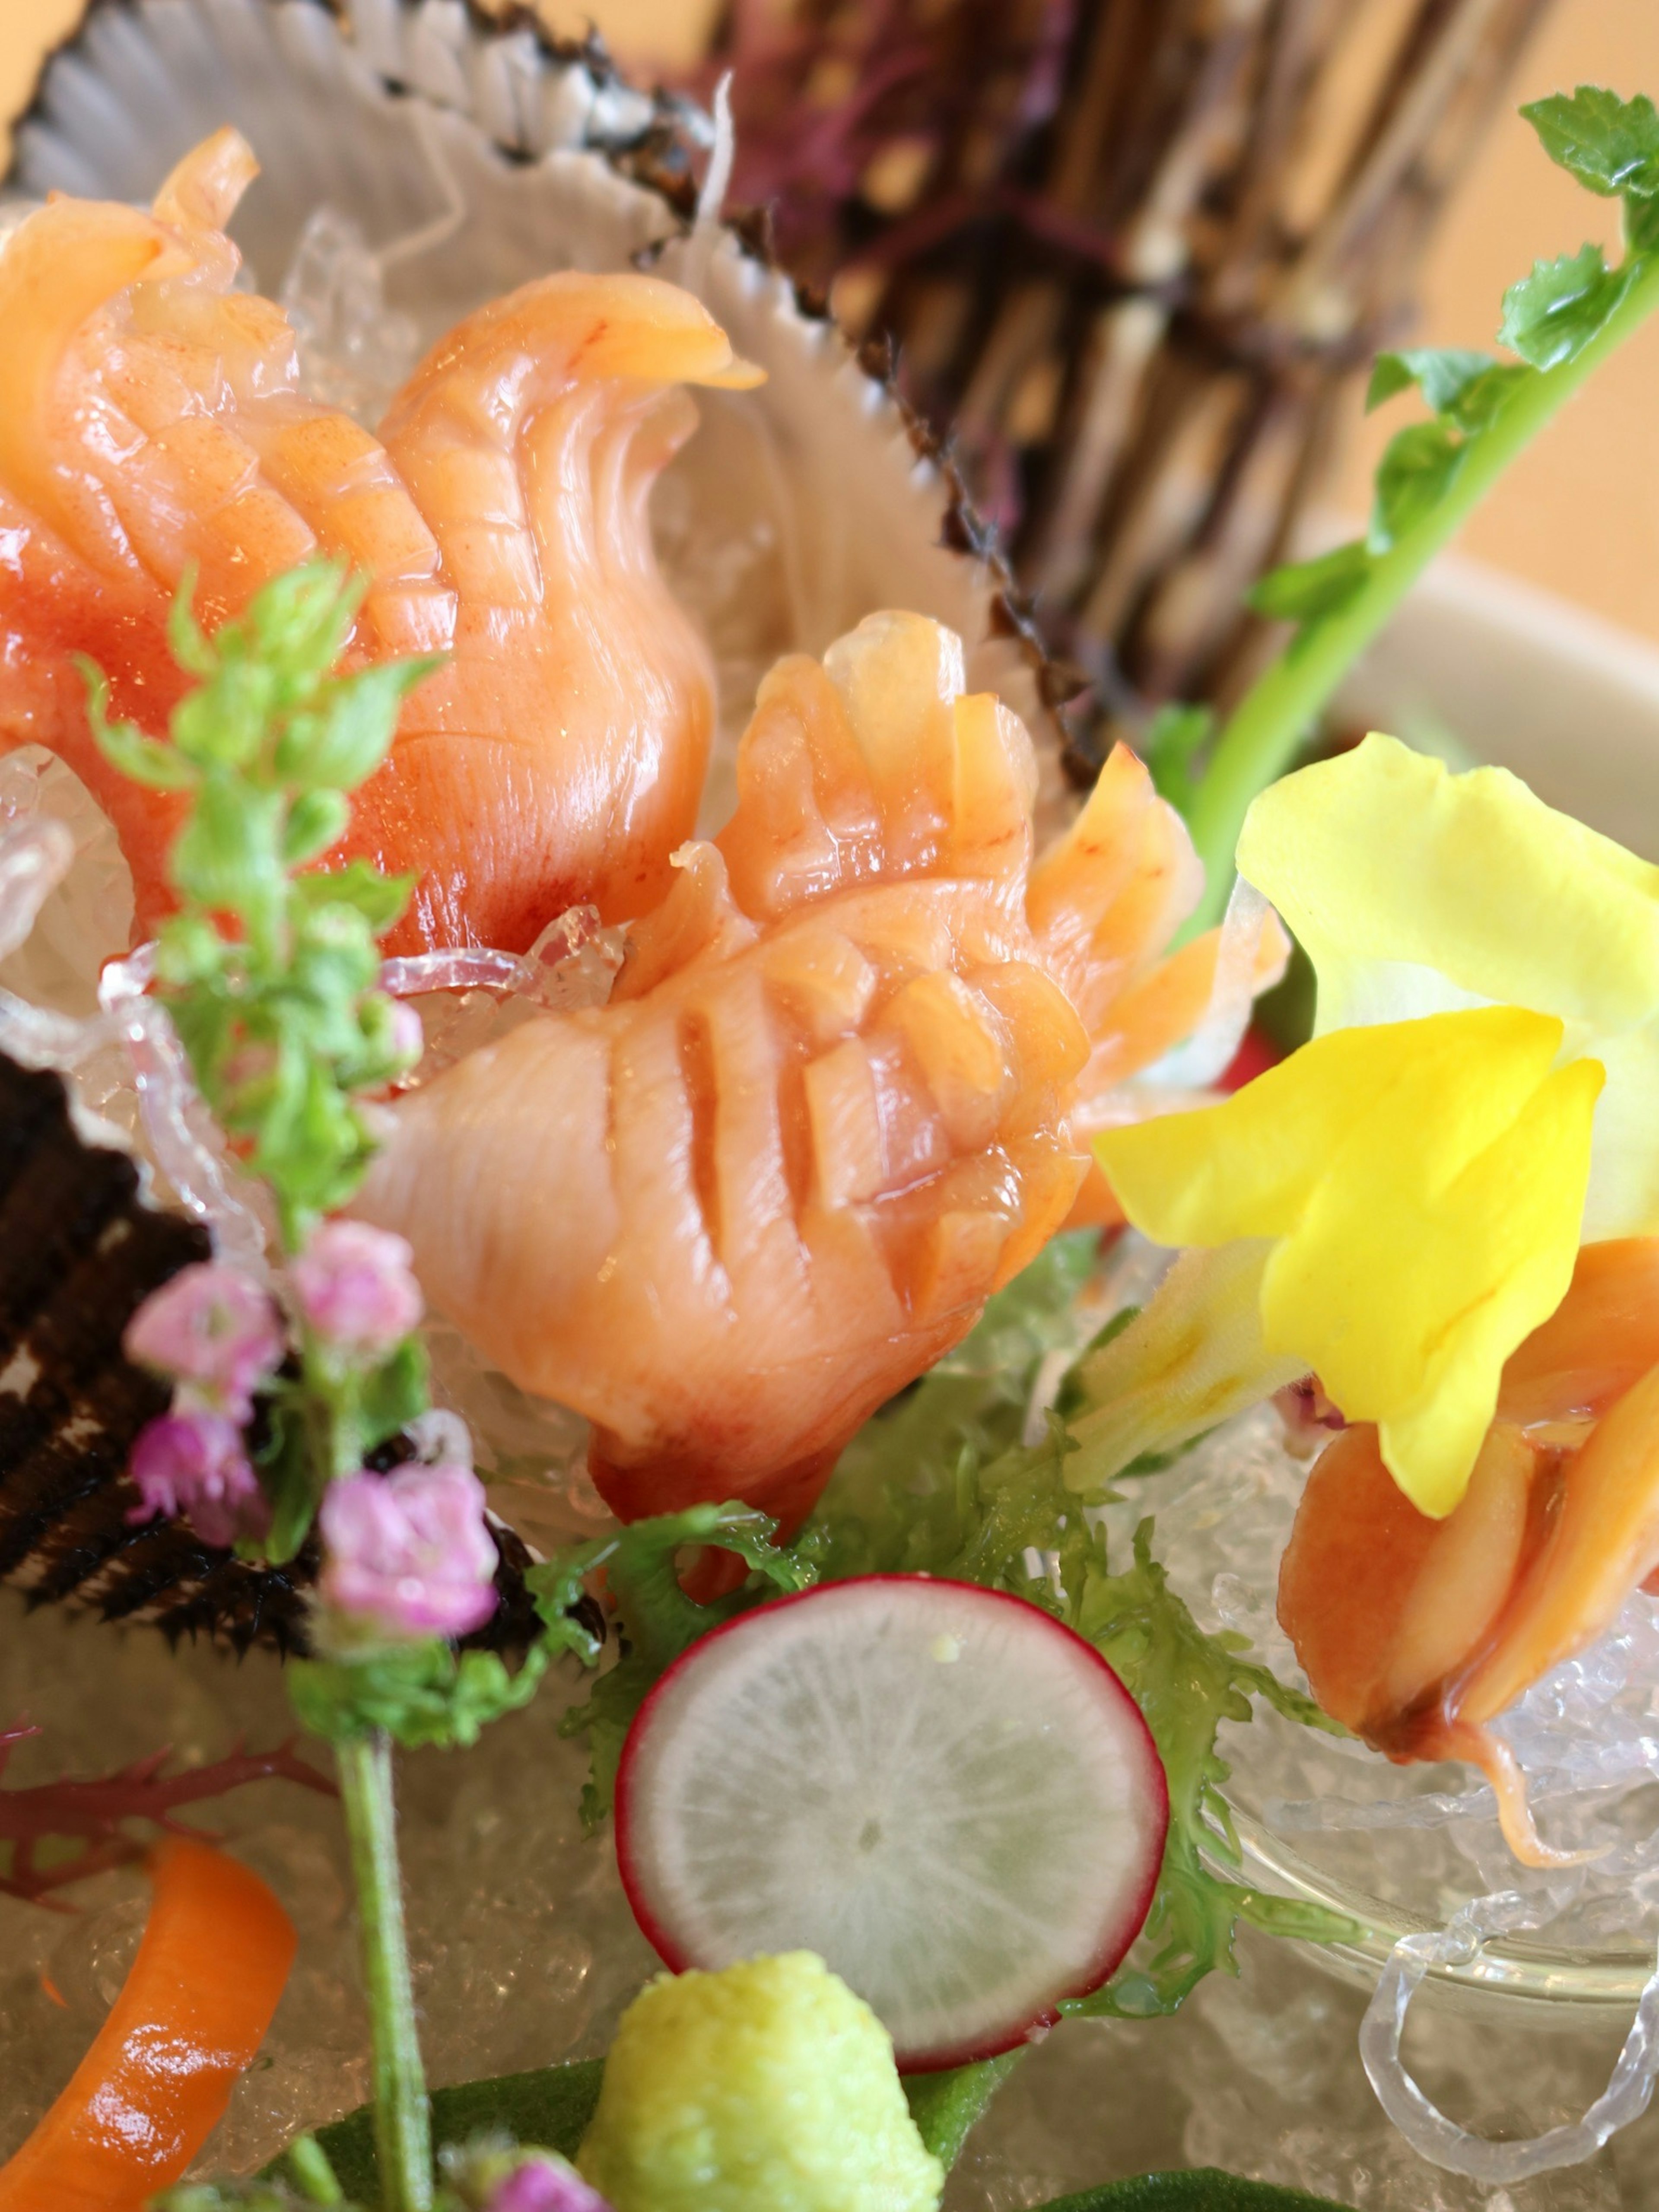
(552, 2107)
(1203, 2189)
(946, 2106)
(656, 1621)
(1610, 144)
(1186, 1683)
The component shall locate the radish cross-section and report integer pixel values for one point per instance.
(941, 1790)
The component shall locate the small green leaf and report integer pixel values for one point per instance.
(552, 2106)
(283, 1466)
(395, 1392)
(189, 645)
(1171, 751)
(141, 759)
(419, 1693)
(1642, 225)
(316, 820)
(1612, 145)
(297, 624)
(1441, 372)
(1416, 472)
(1550, 317)
(350, 734)
(223, 725)
(945, 2106)
(379, 899)
(189, 953)
(1305, 591)
(228, 855)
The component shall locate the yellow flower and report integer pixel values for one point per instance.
(1482, 1092)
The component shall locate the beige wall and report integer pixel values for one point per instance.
(1580, 513)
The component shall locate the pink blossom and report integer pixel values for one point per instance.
(543, 2184)
(194, 1464)
(356, 1288)
(213, 1327)
(408, 1037)
(410, 1550)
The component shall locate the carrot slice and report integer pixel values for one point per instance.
(191, 2014)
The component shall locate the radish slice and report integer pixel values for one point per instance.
(942, 1791)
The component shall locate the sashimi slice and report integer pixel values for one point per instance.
(154, 425)
(942, 1791)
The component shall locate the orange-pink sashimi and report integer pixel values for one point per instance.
(1418, 1634)
(152, 419)
(833, 1103)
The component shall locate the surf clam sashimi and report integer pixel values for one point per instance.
(828, 1109)
(152, 422)
(1419, 1634)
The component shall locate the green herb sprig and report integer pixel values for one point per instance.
(269, 966)
(1561, 323)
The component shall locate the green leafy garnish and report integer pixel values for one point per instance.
(1561, 321)
(270, 975)
(655, 1619)
(1186, 1683)
(422, 1693)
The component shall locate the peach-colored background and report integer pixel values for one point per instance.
(1580, 514)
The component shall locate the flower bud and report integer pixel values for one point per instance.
(408, 1551)
(541, 2183)
(213, 1327)
(194, 1464)
(356, 1288)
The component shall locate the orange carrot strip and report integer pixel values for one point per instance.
(191, 2014)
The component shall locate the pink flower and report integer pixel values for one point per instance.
(410, 1550)
(213, 1327)
(356, 1287)
(408, 1037)
(194, 1464)
(543, 2184)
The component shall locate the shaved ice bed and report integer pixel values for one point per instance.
(526, 1954)
(1423, 1837)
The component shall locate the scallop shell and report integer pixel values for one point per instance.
(499, 154)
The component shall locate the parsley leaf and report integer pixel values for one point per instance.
(1609, 144)
(1550, 317)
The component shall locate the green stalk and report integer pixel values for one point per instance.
(1262, 733)
(403, 2123)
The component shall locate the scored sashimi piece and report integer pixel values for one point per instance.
(823, 1115)
(152, 423)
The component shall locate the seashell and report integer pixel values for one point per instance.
(471, 157)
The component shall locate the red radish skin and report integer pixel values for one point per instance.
(633, 1792)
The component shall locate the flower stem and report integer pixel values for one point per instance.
(1262, 733)
(403, 2125)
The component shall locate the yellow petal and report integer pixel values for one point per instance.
(1425, 1181)
(1414, 890)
